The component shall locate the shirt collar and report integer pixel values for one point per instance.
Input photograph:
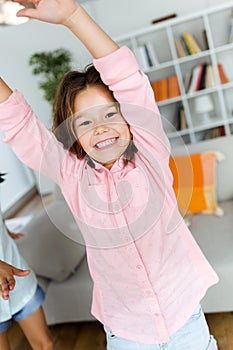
(118, 165)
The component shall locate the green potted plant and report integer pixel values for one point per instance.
(51, 65)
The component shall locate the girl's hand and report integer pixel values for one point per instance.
(7, 281)
(51, 11)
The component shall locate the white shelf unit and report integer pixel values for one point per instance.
(216, 22)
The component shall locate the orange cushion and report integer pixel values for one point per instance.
(194, 183)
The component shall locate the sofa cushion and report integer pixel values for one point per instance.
(220, 144)
(46, 248)
(194, 183)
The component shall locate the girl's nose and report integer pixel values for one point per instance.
(99, 129)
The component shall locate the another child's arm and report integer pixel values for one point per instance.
(7, 280)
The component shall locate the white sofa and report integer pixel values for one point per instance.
(68, 284)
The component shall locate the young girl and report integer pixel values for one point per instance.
(20, 296)
(149, 274)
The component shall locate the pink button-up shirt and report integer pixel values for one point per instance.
(148, 272)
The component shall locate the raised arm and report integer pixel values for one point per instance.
(72, 15)
(5, 91)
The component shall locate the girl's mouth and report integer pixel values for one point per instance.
(106, 143)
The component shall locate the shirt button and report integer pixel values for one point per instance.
(149, 293)
(155, 314)
(139, 267)
(117, 207)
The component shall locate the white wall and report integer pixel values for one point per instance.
(115, 16)
(121, 16)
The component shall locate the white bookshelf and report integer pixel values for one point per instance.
(215, 21)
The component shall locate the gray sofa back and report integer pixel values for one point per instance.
(224, 169)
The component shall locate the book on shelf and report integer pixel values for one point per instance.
(195, 43)
(217, 132)
(187, 80)
(202, 81)
(156, 89)
(205, 39)
(151, 53)
(189, 43)
(210, 80)
(141, 57)
(185, 44)
(163, 89)
(196, 78)
(222, 75)
(202, 76)
(146, 56)
(166, 88)
(180, 49)
(182, 121)
(173, 86)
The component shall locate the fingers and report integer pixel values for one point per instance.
(6, 286)
(16, 236)
(27, 12)
(11, 283)
(28, 3)
(20, 273)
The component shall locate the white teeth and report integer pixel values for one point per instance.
(105, 143)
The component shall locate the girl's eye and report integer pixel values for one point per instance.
(85, 123)
(110, 115)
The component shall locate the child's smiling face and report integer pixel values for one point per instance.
(99, 125)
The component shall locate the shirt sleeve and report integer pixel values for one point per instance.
(32, 142)
(131, 88)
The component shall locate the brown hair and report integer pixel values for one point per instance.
(63, 109)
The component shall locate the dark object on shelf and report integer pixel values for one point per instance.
(217, 132)
(165, 18)
(182, 121)
(205, 39)
(2, 177)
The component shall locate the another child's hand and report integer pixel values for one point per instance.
(51, 11)
(7, 280)
(15, 236)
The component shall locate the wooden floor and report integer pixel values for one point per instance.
(70, 336)
(91, 336)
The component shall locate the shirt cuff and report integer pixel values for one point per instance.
(116, 66)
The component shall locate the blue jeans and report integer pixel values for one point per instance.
(194, 335)
(32, 305)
